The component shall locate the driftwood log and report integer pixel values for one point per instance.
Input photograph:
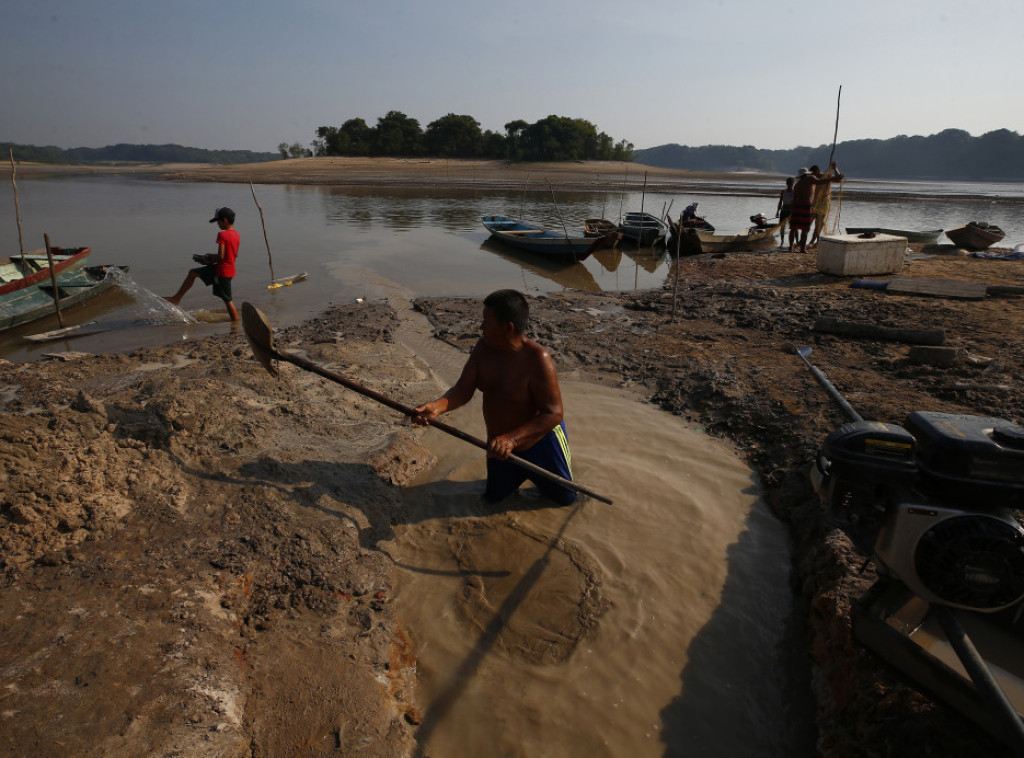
(875, 332)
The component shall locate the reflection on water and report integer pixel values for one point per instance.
(426, 241)
(568, 274)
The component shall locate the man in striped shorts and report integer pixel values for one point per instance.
(522, 402)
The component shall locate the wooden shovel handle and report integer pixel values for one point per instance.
(410, 412)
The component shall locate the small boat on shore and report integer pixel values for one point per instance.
(32, 303)
(643, 228)
(755, 238)
(19, 272)
(926, 237)
(536, 239)
(977, 235)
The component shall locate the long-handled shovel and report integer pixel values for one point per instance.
(261, 337)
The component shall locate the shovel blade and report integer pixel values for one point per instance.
(260, 334)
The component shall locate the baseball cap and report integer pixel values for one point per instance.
(801, 172)
(223, 213)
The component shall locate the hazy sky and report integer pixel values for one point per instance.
(249, 74)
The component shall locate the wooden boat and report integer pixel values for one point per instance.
(977, 235)
(14, 275)
(927, 237)
(598, 227)
(536, 239)
(643, 228)
(755, 238)
(29, 304)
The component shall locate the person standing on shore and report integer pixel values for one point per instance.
(803, 203)
(218, 268)
(522, 402)
(823, 197)
(784, 210)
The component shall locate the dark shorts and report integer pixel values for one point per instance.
(802, 217)
(784, 214)
(551, 453)
(221, 285)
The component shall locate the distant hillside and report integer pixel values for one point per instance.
(131, 154)
(949, 155)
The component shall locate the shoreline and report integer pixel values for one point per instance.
(460, 174)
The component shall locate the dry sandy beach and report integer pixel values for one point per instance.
(190, 547)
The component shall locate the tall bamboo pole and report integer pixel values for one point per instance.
(17, 209)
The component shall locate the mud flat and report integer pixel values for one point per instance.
(190, 548)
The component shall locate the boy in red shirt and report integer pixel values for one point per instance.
(218, 268)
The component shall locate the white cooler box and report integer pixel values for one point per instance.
(850, 255)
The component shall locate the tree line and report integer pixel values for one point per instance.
(555, 138)
(123, 153)
(952, 154)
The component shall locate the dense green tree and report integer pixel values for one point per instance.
(397, 135)
(453, 136)
(514, 131)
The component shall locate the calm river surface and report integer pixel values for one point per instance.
(423, 241)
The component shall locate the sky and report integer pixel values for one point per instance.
(250, 74)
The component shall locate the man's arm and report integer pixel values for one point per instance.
(547, 396)
(457, 396)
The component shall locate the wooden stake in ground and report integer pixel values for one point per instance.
(53, 280)
(274, 283)
(17, 210)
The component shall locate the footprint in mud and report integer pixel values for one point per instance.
(531, 595)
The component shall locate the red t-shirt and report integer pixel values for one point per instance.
(230, 239)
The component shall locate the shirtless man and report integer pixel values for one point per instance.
(803, 199)
(522, 402)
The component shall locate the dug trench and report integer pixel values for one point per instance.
(190, 547)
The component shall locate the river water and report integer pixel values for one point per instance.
(428, 241)
(657, 626)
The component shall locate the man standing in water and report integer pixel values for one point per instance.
(522, 402)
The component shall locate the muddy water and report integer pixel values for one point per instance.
(653, 626)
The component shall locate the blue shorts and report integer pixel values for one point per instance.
(551, 453)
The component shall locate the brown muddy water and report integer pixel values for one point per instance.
(655, 626)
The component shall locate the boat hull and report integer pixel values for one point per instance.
(927, 237)
(33, 303)
(535, 239)
(756, 238)
(14, 277)
(643, 228)
(974, 237)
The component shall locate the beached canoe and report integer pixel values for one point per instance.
(537, 239)
(927, 237)
(977, 235)
(19, 272)
(755, 238)
(33, 303)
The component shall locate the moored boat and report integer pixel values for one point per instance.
(927, 237)
(19, 272)
(28, 304)
(755, 238)
(643, 228)
(537, 239)
(598, 227)
(977, 235)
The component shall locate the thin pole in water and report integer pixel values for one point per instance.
(53, 280)
(264, 225)
(17, 210)
(555, 203)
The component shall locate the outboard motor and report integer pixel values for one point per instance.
(944, 495)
